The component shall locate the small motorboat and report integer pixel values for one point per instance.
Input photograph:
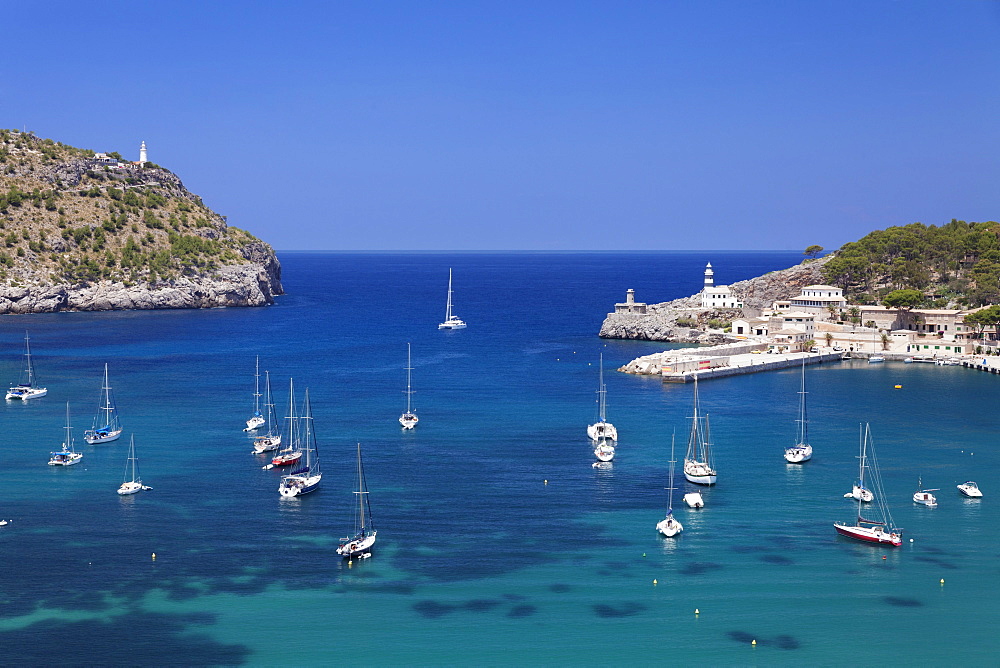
(970, 489)
(924, 496)
(694, 500)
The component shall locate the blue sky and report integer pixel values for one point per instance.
(510, 125)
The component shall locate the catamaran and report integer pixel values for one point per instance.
(360, 545)
(272, 439)
(131, 480)
(306, 479)
(291, 453)
(68, 455)
(451, 321)
(801, 451)
(256, 420)
(698, 465)
(602, 429)
(880, 529)
(26, 389)
(669, 526)
(408, 419)
(110, 428)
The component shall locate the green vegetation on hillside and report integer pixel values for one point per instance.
(957, 263)
(67, 217)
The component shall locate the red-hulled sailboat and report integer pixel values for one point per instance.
(880, 530)
(291, 453)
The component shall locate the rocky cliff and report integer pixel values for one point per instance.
(87, 231)
(660, 322)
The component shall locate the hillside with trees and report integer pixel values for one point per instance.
(957, 264)
(72, 220)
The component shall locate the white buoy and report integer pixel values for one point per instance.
(154, 556)
(697, 611)
(654, 582)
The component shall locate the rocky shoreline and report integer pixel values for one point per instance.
(660, 322)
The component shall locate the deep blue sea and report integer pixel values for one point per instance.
(478, 560)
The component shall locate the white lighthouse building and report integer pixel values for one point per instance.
(717, 296)
(142, 155)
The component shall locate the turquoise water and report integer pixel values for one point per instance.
(478, 559)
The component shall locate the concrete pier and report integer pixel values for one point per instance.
(751, 363)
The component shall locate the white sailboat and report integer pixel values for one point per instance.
(131, 480)
(699, 467)
(880, 529)
(26, 389)
(272, 439)
(605, 450)
(110, 428)
(408, 419)
(451, 321)
(68, 455)
(306, 479)
(924, 496)
(669, 526)
(256, 420)
(361, 543)
(602, 429)
(801, 451)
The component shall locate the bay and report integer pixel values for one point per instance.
(479, 559)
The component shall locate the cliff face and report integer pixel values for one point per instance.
(88, 232)
(659, 323)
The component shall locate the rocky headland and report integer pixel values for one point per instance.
(685, 321)
(86, 231)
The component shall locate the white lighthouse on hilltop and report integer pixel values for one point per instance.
(142, 155)
(717, 296)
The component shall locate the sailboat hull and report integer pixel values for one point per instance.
(93, 438)
(669, 527)
(452, 324)
(798, 454)
(602, 430)
(408, 420)
(65, 458)
(356, 547)
(699, 473)
(869, 534)
(254, 423)
(25, 393)
(130, 488)
(604, 452)
(298, 485)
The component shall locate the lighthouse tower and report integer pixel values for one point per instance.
(142, 155)
(709, 276)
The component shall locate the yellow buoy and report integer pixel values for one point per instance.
(899, 387)
(350, 563)
(942, 580)
(154, 556)
(753, 642)
(654, 581)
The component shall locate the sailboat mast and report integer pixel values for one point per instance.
(361, 494)
(602, 391)
(670, 502)
(409, 368)
(69, 433)
(308, 432)
(268, 402)
(27, 353)
(862, 446)
(256, 388)
(803, 423)
(447, 312)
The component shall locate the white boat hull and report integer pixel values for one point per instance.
(925, 499)
(65, 458)
(408, 420)
(453, 323)
(292, 486)
(694, 500)
(669, 527)
(266, 444)
(699, 473)
(601, 431)
(604, 452)
(798, 454)
(130, 488)
(971, 490)
(254, 423)
(860, 494)
(25, 393)
(93, 438)
(357, 547)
